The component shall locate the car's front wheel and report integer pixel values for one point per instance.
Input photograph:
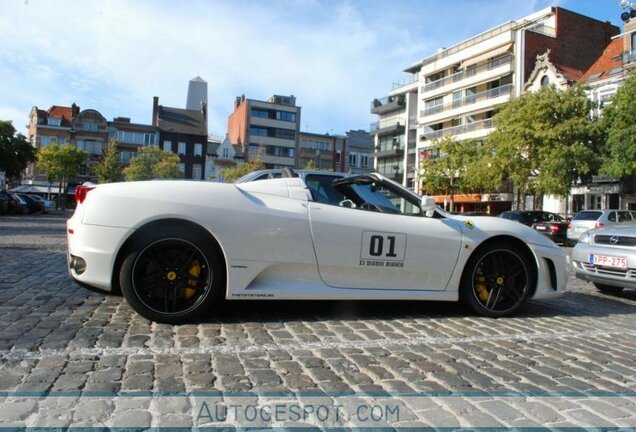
(608, 289)
(497, 280)
(171, 276)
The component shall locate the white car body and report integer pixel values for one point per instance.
(616, 246)
(277, 243)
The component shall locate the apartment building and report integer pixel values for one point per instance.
(354, 152)
(271, 128)
(184, 132)
(87, 130)
(131, 136)
(317, 149)
(455, 92)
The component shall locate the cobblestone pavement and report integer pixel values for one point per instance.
(560, 363)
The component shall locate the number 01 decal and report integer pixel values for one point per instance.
(383, 246)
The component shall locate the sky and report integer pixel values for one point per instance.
(334, 56)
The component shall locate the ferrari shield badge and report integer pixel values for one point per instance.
(469, 224)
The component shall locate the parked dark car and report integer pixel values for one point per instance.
(17, 205)
(33, 205)
(549, 224)
(4, 202)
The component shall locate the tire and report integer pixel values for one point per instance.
(502, 270)
(172, 275)
(608, 289)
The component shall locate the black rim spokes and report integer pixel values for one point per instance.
(500, 280)
(171, 276)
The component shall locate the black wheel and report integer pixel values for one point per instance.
(608, 289)
(172, 275)
(497, 280)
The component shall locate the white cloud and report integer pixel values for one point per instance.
(334, 56)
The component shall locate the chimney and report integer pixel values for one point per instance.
(237, 102)
(74, 110)
(155, 111)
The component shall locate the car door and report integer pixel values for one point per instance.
(360, 248)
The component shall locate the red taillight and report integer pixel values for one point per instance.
(81, 191)
(555, 228)
(599, 224)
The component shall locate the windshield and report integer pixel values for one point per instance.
(587, 216)
(381, 195)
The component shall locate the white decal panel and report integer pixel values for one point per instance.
(382, 249)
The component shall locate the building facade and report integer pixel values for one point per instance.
(354, 152)
(197, 94)
(87, 130)
(317, 150)
(131, 136)
(270, 128)
(221, 154)
(184, 132)
(455, 92)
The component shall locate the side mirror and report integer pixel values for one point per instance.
(427, 204)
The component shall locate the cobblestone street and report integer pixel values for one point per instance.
(560, 363)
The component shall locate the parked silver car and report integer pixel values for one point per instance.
(589, 219)
(48, 205)
(607, 258)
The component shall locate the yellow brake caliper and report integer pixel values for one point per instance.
(194, 271)
(480, 286)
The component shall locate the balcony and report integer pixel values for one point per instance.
(629, 57)
(404, 82)
(387, 104)
(386, 128)
(395, 151)
(468, 73)
(458, 130)
(468, 100)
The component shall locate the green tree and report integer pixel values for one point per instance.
(61, 163)
(109, 169)
(544, 142)
(446, 169)
(230, 175)
(15, 151)
(153, 163)
(620, 123)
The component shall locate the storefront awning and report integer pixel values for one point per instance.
(485, 56)
(458, 198)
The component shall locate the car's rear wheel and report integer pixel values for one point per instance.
(172, 276)
(608, 289)
(497, 280)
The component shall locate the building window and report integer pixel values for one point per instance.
(257, 131)
(83, 170)
(196, 172)
(364, 160)
(286, 116)
(545, 81)
(353, 159)
(91, 147)
(261, 113)
(182, 168)
(226, 153)
(198, 149)
(150, 139)
(54, 121)
(90, 125)
(125, 156)
(167, 146)
(338, 156)
(182, 148)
